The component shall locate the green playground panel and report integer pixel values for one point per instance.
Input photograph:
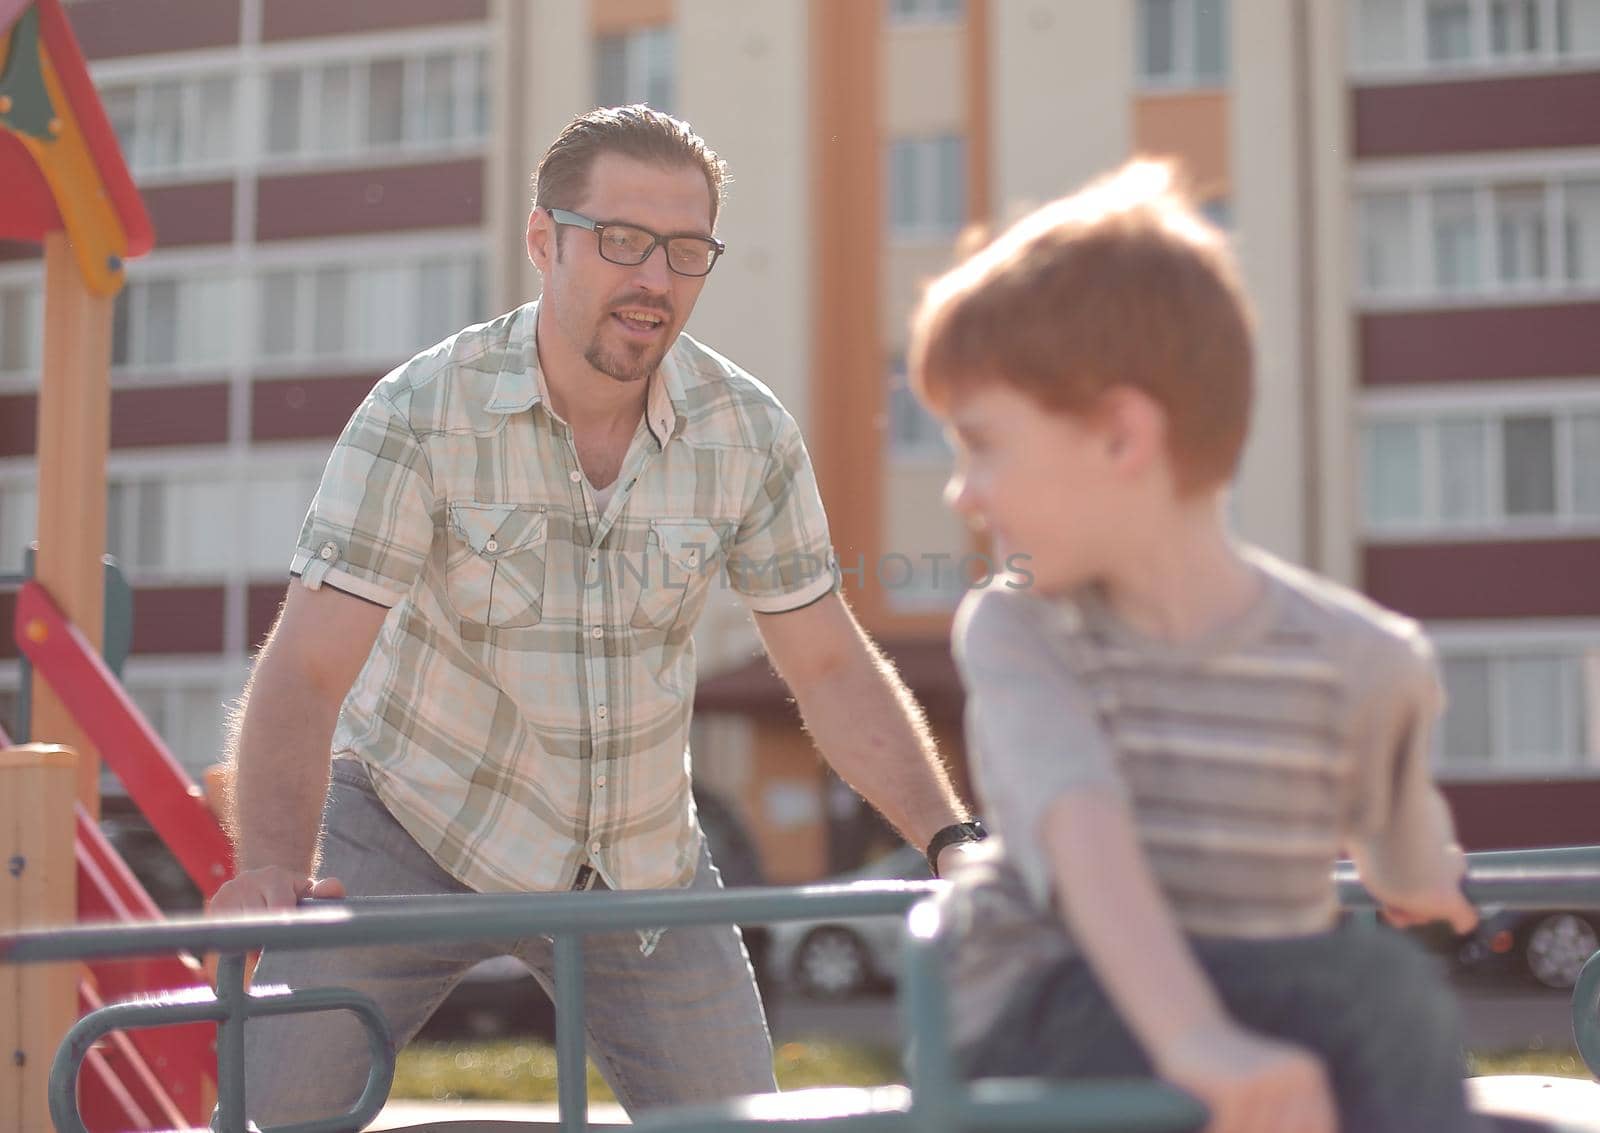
(934, 1101)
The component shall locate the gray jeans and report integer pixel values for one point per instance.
(1364, 998)
(683, 1024)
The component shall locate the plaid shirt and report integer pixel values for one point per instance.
(525, 709)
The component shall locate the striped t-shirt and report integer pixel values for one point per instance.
(1251, 759)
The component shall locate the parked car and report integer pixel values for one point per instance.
(1550, 946)
(833, 959)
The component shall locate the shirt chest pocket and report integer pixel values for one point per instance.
(495, 569)
(680, 560)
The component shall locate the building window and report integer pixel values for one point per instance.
(927, 186)
(914, 433)
(175, 127)
(638, 66)
(19, 524)
(22, 327)
(346, 108)
(185, 708)
(1518, 704)
(1182, 43)
(1401, 36)
(924, 11)
(1466, 471)
(1532, 236)
(350, 311)
(173, 525)
(175, 323)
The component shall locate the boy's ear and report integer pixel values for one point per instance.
(1136, 429)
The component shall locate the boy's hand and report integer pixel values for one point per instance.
(1252, 1084)
(1449, 903)
(1451, 907)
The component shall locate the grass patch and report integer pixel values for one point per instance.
(515, 1070)
(1558, 1062)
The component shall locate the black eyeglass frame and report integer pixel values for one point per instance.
(578, 220)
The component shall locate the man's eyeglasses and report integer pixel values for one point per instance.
(628, 244)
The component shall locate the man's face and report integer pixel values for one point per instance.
(622, 320)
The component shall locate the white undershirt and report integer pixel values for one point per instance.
(602, 496)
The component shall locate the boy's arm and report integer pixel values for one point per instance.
(1407, 854)
(1120, 919)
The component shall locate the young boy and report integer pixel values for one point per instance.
(1175, 735)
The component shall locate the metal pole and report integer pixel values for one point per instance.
(231, 995)
(572, 1075)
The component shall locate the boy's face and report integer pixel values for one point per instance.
(1055, 487)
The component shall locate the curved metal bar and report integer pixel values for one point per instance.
(1586, 1014)
(229, 1009)
(81, 1037)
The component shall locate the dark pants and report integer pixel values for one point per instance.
(1363, 998)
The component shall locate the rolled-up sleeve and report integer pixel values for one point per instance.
(782, 558)
(370, 528)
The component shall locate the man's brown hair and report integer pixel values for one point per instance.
(638, 132)
(1121, 284)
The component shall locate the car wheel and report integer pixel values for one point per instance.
(1557, 948)
(831, 963)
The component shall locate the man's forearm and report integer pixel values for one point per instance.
(869, 728)
(279, 772)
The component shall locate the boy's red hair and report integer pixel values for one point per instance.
(1122, 283)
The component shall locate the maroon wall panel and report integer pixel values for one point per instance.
(1522, 815)
(170, 415)
(283, 409)
(299, 19)
(1533, 578)
(177, 619)
(19, 423)
(109, 28)
(1480, 344)
(262, 602)
(381, 199)
(1528, 112)
(8, 617)
(191, 214)
(157, 415)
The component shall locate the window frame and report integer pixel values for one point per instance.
(1576, 642)
(1492, 408)
(1481, 59)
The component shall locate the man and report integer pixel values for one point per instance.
(490, 632)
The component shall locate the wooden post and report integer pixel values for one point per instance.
(74, 434)
(38, 888)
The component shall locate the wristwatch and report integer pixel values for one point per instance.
(954, 834)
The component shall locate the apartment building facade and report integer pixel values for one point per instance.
(1414, 187)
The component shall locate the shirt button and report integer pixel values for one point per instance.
(328, 551)
(574, 476)
(594, 847)
(491, 546)
(599, 780)
(694, 558)
(597, 632)
(601, 712)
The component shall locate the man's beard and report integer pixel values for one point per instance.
(622, 363)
